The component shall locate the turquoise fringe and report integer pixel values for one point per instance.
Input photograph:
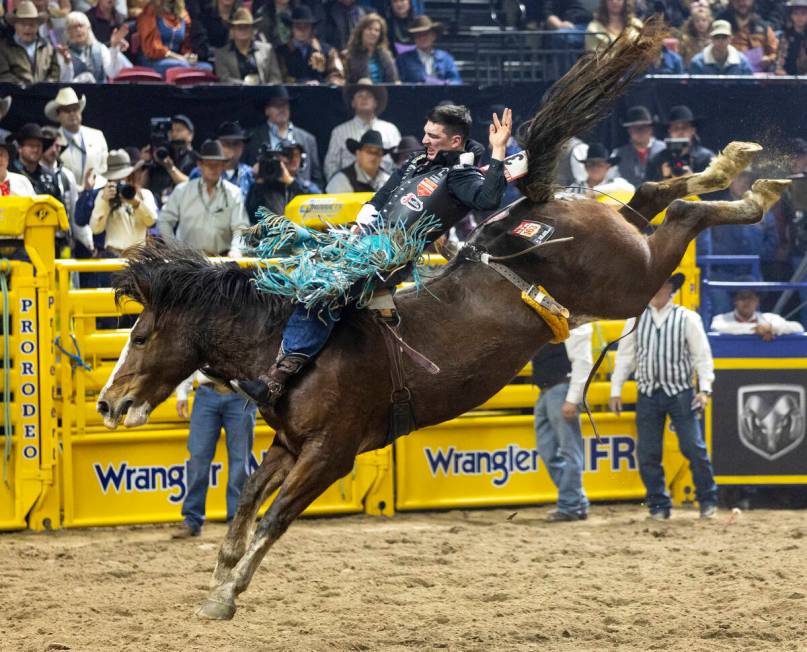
(326, 270)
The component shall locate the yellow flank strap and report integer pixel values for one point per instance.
(554, 314)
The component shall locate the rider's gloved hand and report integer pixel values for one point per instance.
(367, 215)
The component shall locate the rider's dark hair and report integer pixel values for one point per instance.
(456, 119)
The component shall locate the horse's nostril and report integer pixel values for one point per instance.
(124, 408)
(103, 408)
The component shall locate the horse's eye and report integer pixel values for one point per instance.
(139, 340)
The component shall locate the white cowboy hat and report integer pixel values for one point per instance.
(65, 97)
(25, 9)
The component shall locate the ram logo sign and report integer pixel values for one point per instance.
(771, 418)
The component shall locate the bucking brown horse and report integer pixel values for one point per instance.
(471, 321)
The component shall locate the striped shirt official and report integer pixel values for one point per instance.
(664, 350)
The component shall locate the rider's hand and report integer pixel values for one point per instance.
(615, 405)
(499, 134)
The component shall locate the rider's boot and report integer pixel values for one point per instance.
(270, 387)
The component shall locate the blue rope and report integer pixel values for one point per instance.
(5, 274)
(75, 358)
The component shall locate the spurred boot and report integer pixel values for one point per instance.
(268, 388)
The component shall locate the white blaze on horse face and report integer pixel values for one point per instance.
(118, 364)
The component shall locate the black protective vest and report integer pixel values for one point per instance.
(551, 366)
(423, 190)
(358, 186)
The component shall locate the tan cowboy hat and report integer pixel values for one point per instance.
(26, 10)
(119, 165)
(366, 84)
(242, 16)
(65, 97)
(423, 24)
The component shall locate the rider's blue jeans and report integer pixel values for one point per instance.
(307, 331)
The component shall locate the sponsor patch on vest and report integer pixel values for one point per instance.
(426, 187)
(411, 202)
(535, 232)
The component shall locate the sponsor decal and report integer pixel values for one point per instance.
(503, 463)
(426, 187)
(123, 478)
(515, 166)
(411, 202)
(535, 232)
(771, 418)
(322, 206)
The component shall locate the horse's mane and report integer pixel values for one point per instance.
(166, 274)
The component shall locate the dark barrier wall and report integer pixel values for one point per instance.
(765, 110)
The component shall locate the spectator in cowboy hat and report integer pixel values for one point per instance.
(690, 157)
(123, 210)
(11, 183)
(791, 59)
(278, 128)
(305, 58)
(25, 57)
(31, 142)
(232, 139)
(5, 106)
(65, 181)
(245, 60)
(746, 319)
(206, 213)
(720, 57)
(599, 178)
(365, 173)
(86, 147)
(408, 146)
(641, 146)
(367, 102)
(427, 64)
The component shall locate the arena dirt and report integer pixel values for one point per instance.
(461, 580)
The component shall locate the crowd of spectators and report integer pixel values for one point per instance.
(242, 41)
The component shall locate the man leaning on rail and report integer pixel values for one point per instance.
(442, 180)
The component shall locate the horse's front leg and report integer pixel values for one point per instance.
(316, 468)
(652, 197)
(273, 470)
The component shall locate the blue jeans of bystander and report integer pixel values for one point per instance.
(211, 412)
(560, 445)
(651, 412)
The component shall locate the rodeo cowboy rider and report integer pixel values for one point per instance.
(442, 181)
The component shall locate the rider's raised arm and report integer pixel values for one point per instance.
(479, 191)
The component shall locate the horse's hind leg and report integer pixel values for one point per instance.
(314, 471)
(259, 486)
(652, 197)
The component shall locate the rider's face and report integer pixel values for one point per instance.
(435, 139)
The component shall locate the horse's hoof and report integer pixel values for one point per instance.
(768, 191)
(216, 610)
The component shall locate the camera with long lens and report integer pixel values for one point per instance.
(123, 191)
(159, 129)
(678, 155)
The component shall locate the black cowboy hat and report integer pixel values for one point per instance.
(681, 113)
(423, 24)
(32, 131)
(211, 150)
(231, 131)
(408, 145)
(598, 152)
(300, 14)
(274, 93)
(676, 280)
(370, 137)
(750, 281)
(637, 116)
(366, 84)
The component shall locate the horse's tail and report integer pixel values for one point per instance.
(580, 99)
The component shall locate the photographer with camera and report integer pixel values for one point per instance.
(684, 153)
(278, 179)
(169, 155)
(123, 210)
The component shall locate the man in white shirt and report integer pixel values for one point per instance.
(207, 212)
(746, 319)
(365, 174)
(368, 102)
(667, 345)
(560, 371)
(601, 176)
(86, 147)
